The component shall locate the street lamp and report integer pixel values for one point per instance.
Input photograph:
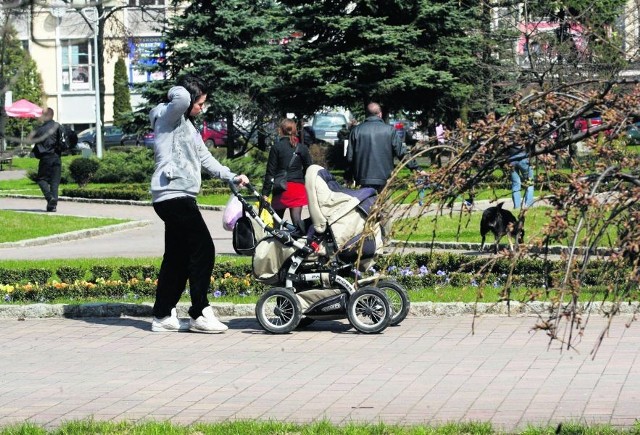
(96, 74)
(58, 10)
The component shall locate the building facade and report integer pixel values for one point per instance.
(62, 38)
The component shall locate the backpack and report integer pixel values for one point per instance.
(71, 137)
(66, 139)
(244, 237)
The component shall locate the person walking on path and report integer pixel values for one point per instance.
(189, 254)
(288, 162)
(373, 145)
(521, 171)
(49, 143)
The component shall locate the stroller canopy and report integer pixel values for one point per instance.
(328, 200)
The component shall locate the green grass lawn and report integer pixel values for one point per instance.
(254, 427)
(465, 227)
(460, 228)
(18, 225)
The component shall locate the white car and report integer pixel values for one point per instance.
(326, 125)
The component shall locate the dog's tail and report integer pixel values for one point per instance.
(499, 205)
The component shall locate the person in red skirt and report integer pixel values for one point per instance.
(288, 159)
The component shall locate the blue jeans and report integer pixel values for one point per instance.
(522, 172)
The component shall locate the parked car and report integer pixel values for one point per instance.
(326, 125)
(148, 139)
(111, 136)
(633, 133)
(214, 133)
(590, 120)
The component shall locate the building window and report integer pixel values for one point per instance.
(77, 71)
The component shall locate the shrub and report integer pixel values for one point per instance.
(130, 193)
(130, 165)
(10, 276)
(150, 271)
(69, 274)
(127, 273)
(82, 170)
(101, 272)
(38, 275)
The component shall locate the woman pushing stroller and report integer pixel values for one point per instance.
(286, 167)
(180, 155)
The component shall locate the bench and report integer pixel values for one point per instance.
(6, 161)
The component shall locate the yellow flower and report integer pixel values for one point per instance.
(227, 275)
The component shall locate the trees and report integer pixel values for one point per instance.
(121, 97)
(415, 56)
(229, 45)
(19, 74)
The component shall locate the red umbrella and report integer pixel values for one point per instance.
(23, 109)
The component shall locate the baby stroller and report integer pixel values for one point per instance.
(315, 274)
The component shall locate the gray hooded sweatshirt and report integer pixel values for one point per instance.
(179, 151)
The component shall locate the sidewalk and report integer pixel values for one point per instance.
(144, 240)
(428, 370)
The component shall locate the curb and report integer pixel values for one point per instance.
(418, 309)
(108, 201)
(551, 250)
(75, 235)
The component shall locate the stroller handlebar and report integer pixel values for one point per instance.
(235, 188)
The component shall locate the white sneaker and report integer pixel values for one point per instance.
(170, 323)
(207, 323)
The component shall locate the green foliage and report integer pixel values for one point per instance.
(19, 75)
(16, 227)
(82, 170)
(421, 274)
(100, 271)
(40, 275)
(127, 273)
(121, 94)
(253, 165)
(134, 166)
(402, 55)
(127, 193)
(223, 42)
(10, 276)
(70, 274)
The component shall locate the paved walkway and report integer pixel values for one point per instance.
(138, 241)
(427, 370)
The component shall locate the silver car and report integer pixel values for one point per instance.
(326, 125)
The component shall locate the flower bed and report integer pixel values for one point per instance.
(413, 271)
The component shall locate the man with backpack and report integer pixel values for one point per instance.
(50, 142)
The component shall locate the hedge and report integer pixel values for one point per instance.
(414, 271)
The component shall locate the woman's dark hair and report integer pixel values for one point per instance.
(195, 87)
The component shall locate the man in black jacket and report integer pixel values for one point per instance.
(373, 145)
(49, 144)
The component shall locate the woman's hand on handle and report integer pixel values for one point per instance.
(241, 180)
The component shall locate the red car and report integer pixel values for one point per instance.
(583, 124)
(214, 133)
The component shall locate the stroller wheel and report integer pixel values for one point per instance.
(368, 310)
(278, 311)
(398, 300)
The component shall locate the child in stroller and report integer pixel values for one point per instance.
(312, 273)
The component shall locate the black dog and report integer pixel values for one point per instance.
(500, 222)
